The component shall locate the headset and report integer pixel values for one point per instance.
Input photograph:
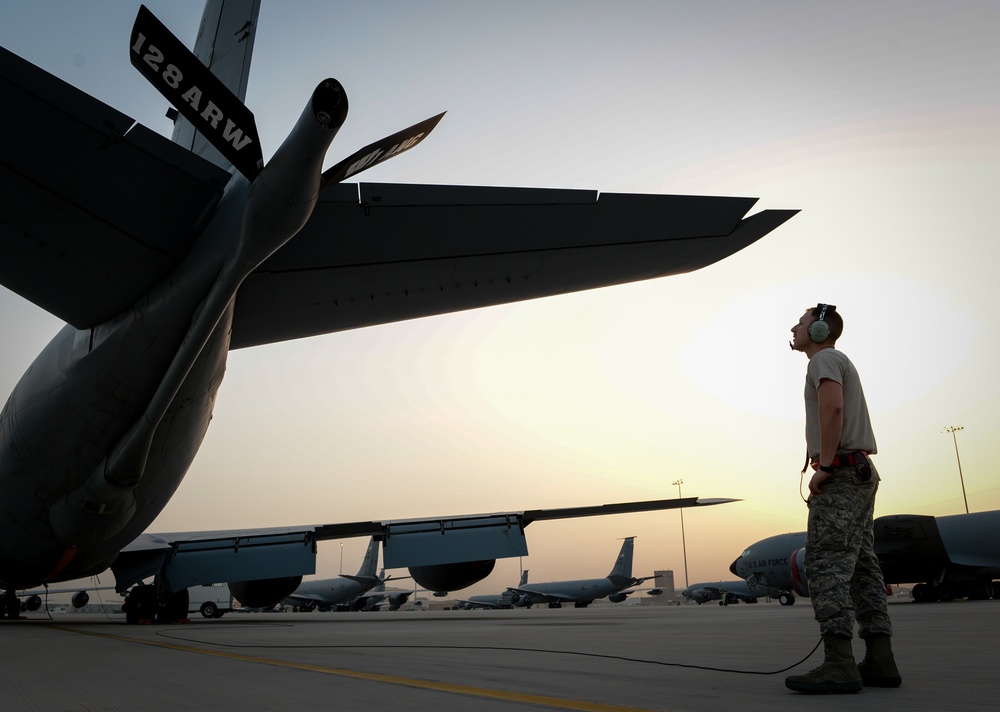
(819, 330)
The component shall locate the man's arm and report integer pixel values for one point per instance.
(831, 422)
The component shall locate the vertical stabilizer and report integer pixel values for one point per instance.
(524, 578)
(623, 565)
(224, 45)
(370, 562)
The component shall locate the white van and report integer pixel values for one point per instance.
(212, 600)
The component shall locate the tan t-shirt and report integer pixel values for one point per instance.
(856, 433)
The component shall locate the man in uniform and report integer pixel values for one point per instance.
(845, 581)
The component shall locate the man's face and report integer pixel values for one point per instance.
(800, 331)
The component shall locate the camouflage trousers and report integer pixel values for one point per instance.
(845, 581)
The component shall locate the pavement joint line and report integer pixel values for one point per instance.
(431, 685)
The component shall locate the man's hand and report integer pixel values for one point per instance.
(817, 480)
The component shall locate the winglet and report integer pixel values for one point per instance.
(199, 95)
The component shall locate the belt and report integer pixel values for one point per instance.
(850, 458)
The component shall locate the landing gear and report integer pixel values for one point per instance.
(786, 599)
(143, 605)
(11, 605)
(950, 590)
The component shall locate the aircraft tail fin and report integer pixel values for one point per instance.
(370, 562)
(524, 578)
(207, 86)
(623, 564)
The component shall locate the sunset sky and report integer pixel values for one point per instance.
(880, 121)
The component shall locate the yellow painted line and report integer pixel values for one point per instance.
(468, 690)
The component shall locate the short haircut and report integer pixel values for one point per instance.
(832, 318)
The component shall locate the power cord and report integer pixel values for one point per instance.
(542, 651)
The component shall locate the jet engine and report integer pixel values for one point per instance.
(264, 593)
(800, 581)
(80, 599)
(618, 597)
(452, 577)
(32, 603)
(398, 599)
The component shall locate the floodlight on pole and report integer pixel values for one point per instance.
(954, 429)
(683, 540)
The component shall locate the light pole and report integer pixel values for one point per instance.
(954, 429)
(683, 540)
(341, 558)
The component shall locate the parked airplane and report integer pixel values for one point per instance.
(735, 591)
(504, 599)
(325, 594)
(583, 592)
(382, 597)
(32, 600)
(162, 257)
(957, 556)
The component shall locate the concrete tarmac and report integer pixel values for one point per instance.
(677, 659)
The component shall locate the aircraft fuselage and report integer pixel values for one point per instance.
(102, 427)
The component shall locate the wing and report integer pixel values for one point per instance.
(185, 559)
(909, 548)
(83, 198)
(377, 253)
(547, 596)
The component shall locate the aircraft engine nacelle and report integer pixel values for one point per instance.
(264, 593)
(797, 563)
(32, 603)
(80, 599)
(398, 599)
(452, 577)
(618, 597)
(699, 596)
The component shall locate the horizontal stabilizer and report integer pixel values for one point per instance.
(378, 253)
(195, 92)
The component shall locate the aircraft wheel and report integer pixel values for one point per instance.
(944, 593)
(11, 606)
(173, 607)
(140, 604)
(786, 599)
(980, 591)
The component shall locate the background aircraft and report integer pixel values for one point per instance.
(735, 591)
(950, 557)
(504, 599)
(159, 278)
(583, 592)
(32, 600)
(347, 591)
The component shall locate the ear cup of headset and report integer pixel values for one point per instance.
(819, 330)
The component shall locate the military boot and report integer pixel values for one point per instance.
(838, 673)
(878, 669)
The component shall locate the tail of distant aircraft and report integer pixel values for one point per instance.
(623, 564)
(370, 562)
(524, 578)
